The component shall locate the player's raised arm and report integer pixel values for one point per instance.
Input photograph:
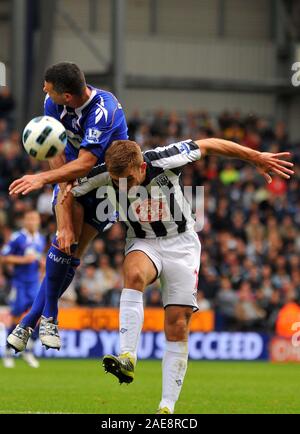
(265, 162)
(68, 172)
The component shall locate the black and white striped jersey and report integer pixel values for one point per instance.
(158, 207)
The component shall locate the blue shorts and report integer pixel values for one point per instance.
(89, 203)
(22, 296)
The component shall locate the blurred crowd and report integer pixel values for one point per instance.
(251, 234)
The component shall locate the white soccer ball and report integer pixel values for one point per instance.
(44, 137)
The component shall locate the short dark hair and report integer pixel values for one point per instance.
(66, 77)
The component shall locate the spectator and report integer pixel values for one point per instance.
(248, 312)
(226, 302)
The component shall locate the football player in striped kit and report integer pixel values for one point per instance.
(161, 242)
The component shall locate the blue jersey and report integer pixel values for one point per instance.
(22, 243)
(93, 126)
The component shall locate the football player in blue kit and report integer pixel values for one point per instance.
(24, 251)
(93, 119)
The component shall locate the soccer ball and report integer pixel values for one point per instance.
(44, 137)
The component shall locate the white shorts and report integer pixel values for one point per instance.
(177, 260)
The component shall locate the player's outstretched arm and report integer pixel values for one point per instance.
(68, 172)
(265, 162)
(17, 260)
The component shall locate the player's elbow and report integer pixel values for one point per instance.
(203, 146)
(208, 146)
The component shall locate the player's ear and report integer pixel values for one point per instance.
(67, 96)
(143, 166)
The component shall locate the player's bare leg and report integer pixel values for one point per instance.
(174, 364)
(87, 235)
(139, 271)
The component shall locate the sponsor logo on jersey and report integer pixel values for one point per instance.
(74, 124)
(152, 210)
(162, 180)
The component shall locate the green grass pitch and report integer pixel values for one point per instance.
(80, 386)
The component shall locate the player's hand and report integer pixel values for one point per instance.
(26, 184)
(66, 191)
(268, 162)
(65, 239)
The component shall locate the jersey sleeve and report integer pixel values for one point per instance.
(97, 132)
(97, 177)
(175, 155)
(50, 108)
(12, 247)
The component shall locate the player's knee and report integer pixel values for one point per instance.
(134, 278)
(177, 327)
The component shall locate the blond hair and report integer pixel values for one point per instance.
(121, 155)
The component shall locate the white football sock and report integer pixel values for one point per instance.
(131, 319)
(174, 367)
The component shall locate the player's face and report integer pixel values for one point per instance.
(134, 176)
(32, 221)
(58, 98)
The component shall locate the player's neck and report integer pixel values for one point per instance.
(78, 101)
(32, 233)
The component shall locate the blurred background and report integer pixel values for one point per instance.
(202, 68)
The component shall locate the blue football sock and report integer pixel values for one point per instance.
(32, 317)
(35, 334)
(70, 275)
(57, 267)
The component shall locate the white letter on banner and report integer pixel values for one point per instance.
(224, 346)
(109, 341)
(195, 341)
(208, 351)
(146, 345)
(160, 343)
(253, 346)
(237, 346)
(88, 340)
